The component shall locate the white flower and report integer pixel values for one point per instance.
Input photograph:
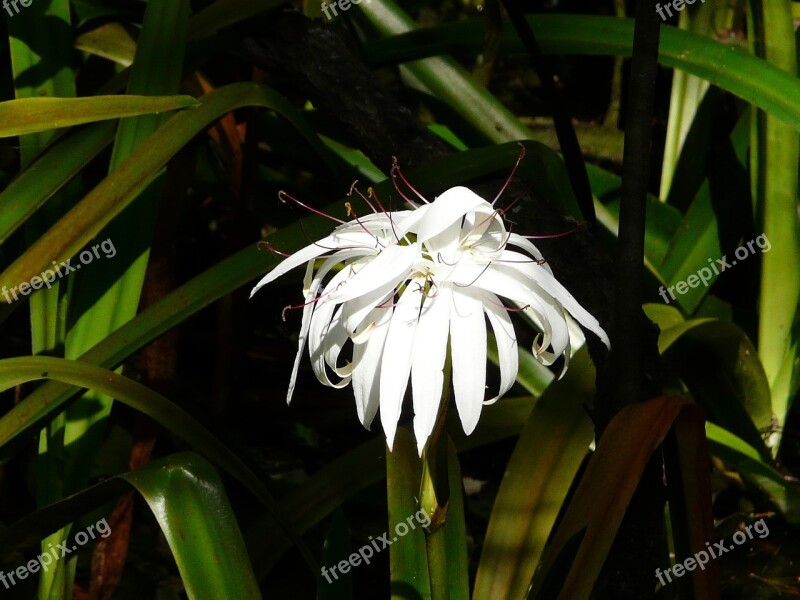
(398, 285)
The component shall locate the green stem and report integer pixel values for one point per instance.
(435, 496)
(438, 570)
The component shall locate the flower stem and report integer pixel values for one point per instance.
(435, 496)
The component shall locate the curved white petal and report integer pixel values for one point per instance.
(517, 283)
(507, 350)
(330, 342)
(305, 322)
(396, 362)
(313, 251)
(322, 326)
(367, 365)
(521, 242)
(468, 350)
(427, 367)
(358, 309)
(387, 269)
(446, 210)
(551, 285)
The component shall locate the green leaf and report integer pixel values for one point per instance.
(580, 544)
(774, 156)
(709, 219)
(29, 115)
(58, 164)
(108, 40)
(196, 517)
(40, 61)
(688, 91)
(119, 189)
(31, 412)
(189, 502)
(444, 78)
(546, 459)
(106, 296)
(727, 66)
(739, 454)
(408, 556)
(721, 368)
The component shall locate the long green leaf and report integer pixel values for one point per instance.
(547, 456)
(29, 115)
(118, 190)
(28, 414)
(445, 79)
(727, 66)
(49, 172)
(698, 241)
(774, 156)
(188, 500)
(106, 296)
(194, 513)
(42, 70)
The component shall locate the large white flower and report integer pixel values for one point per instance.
(400, 284)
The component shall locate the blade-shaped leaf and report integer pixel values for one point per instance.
(28, 414)
(29, 115)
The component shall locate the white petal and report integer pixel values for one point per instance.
(335, 341)
(321, 327)
(507, 350)
(308, 309)
(327, 244)
(511, 283)
(367, 365)
(468, 349)
(386, 270)
(519, 241)
(427, 368)
(396, 362)
(329, 342)
(551, 285)
(446, 210)
(357, 310)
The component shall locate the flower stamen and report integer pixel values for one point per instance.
(266, 245)
(471, 283)
(395, 170)
(282, 195)
(580, 225)
(353, 188)
(520, 156)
